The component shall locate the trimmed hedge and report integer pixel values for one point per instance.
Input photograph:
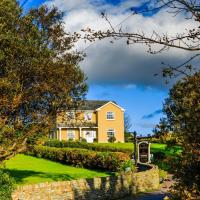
(84, 145)
(109, 161)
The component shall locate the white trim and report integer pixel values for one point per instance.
(60, 129)
(149, 149)
(113, 104)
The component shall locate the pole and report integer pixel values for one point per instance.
(135, 147)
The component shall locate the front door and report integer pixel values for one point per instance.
(90, 136)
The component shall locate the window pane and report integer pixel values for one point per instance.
(110, 133)
(110, 115)
(70, 135)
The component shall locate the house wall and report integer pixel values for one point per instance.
(117, 124)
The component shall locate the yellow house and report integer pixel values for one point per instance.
(93, 121)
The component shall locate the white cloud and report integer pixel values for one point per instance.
(118, 63)
(130, 86)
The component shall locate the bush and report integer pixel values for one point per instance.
(83, 145)
(109, 161)
(163, 175)
(83, 140)
(129, 139)
(159, 156)
(112, 139)
(128, 166)
(6, 185)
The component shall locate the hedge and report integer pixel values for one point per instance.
(84, 145)
(109, 161)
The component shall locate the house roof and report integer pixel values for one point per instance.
(93, 104)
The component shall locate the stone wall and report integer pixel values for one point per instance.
(92, 189)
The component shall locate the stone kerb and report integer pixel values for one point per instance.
(112, 187)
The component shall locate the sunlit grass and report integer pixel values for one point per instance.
(28, 170)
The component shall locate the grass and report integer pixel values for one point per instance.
(155, 147)
(28, 170)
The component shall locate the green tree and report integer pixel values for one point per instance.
(39, 74)
(183, 113)
(162, 128)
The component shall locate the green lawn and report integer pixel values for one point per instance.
(28, 170)
(155, 147)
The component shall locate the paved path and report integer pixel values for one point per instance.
(156, 195)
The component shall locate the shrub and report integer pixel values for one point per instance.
(84, 145)
(83, 140)
(158, 156)
(112, 139)
(129, 139)
(128, 166)
(6, 185)
(95, 140)
(162, 174)
(110, 161)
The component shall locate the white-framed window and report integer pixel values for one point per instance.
(70, 134)
(70, 114)
(110, 116)
(88, 116)
(110, 133)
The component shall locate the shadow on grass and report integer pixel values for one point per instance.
(20, 175)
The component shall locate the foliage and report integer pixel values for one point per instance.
(128, 165)
(129, 136)
(28, 170)
(6, 185)
(113, 147)
(110, 161)
(159, 156)
(35, 52)
(162, 130)
(183, 113)
(83, 140)
(112, 139)
(90, 146)
(162, 174)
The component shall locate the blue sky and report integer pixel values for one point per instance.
(116, 71)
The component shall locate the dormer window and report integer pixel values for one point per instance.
(88, 116)
(110, 115)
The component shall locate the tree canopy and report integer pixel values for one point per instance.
(39, 74)
(182, 108)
